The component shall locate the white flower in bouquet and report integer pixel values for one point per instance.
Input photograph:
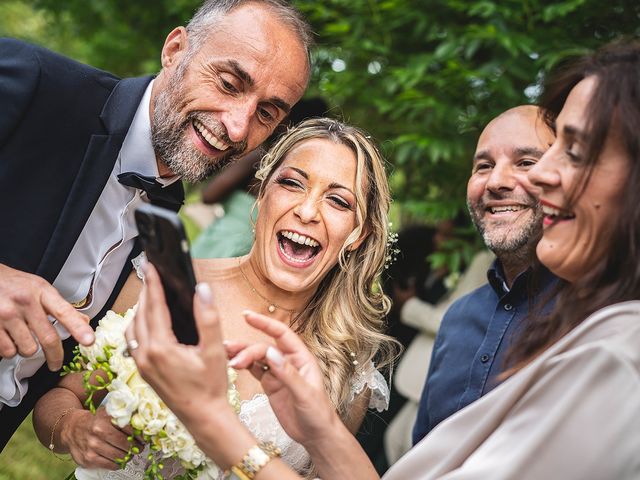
(124, 367)
(152, 411)
(131, 401)
(110, 333)
(210, 472)
(191, 456)
(177, 437)
(120, 403)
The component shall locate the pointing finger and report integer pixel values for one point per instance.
(75, 322)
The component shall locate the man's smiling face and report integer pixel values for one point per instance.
(227, 96)
(505, 214)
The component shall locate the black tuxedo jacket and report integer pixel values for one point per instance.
(62, 124)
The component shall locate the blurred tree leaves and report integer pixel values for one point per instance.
(423, 76)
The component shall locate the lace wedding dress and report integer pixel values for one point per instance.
(259, 418)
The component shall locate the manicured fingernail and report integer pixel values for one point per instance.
(275, 356)
(233, 362)
(246, 312)
(203, 290)
(87, 339)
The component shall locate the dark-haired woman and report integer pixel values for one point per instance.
(570, 408)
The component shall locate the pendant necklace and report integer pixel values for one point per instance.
(272, 305)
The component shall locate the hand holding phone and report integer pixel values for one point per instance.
(166, 247)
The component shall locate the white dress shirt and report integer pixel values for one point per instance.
(99, 254)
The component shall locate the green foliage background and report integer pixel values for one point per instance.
(423, 76)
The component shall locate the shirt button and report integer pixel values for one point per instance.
(484, 358)
(508, 306)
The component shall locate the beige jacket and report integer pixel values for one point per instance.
(573, 413)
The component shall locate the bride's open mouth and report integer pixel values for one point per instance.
(297, 248)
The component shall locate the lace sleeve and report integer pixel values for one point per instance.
(368, 376)
(137, 265)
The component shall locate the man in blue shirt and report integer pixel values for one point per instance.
(477, 330)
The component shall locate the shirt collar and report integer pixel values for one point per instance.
(137, 154)
(497, 280)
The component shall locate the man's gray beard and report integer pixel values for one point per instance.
(168, 137)
(518, 243)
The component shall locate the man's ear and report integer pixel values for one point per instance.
(174, 47)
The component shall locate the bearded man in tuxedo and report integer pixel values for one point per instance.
(81, 148)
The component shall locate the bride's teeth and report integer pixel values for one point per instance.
(301, 239)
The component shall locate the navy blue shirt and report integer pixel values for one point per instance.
(469, 350)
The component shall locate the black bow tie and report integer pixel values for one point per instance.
(158, 195)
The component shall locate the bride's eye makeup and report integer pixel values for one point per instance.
(340, 202)
(287, 181)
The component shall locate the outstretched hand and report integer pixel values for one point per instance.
(25, 302)
(293, 382)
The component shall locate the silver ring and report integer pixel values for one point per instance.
(132, 344)
(265, 368)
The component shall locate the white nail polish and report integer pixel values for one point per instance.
(203, 290)
(275, 356)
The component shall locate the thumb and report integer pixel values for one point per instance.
(208, 322)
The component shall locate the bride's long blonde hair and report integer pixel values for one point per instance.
(343, 324)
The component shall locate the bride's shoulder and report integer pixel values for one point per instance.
(212, 269)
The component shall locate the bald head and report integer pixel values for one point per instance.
(521, 127)
(526, 111)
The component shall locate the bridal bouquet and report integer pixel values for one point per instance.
(131, 401)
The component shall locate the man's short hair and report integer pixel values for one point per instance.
(204, 21)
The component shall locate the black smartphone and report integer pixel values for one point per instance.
(166, 247)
